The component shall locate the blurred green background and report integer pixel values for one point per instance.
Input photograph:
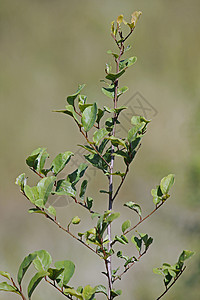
(46, 49)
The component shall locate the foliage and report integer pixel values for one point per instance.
(98, 126)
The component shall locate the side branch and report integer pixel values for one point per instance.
(143, 219)
(167, 289)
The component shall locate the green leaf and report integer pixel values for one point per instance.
(89, 202)
(68, 272)
(75, 176)
(54, 273)
(127, 62)
(4, 286)
(25, 265)
(185, 255)
(122, 90)
(37, 159)
(73, 292)
(60, 162)
(82, 107)
(109, 91)
(138, 242)
(21, 181)
(5, 274)
(31, 193)
(83, 189)
(116, 141)
(115, 293)
(45, 186)
(100, 114)
(126, 225)
(35, 281)
(70, 99)
(121, 239)
(112, 217)
(134, 206)
(166, 183)
(88, 148)
(99, 134)
(88, 292)
(69, 110)
(42, 261)
(76, 220)
(51, 210)
(64, 187)
(100, 289)
(89, 117)
(36, 211)
(113, 77)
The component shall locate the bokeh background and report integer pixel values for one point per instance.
(46, 49)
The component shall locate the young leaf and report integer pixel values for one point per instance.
(35, 281)
(76, 220)
(185, 255)
(51, 210)
(21, 181)
(126, 225)
(89, 117)
(134, 207)
(70, 99)
(166, 183)
(88, 292)
(100, 289)
(60, 162)
(73, 292)
(4, 286)
(5, 274)
(68, 272)
(42, 261)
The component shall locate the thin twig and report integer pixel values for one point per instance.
(128, 267)
(58, 289)
(167, 289)
(122, 181)
(143, 219)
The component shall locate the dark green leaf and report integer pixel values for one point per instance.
(60, 161)
(138, 242)
(35, 281)
(77, 174)
(83, 189)
(24, 266)
(70, 99)
(100, 114)
(89, 202)
(109, 91)
(68, 272)
(54, 273)
(115, 293)
(89, 117)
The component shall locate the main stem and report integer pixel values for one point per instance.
(110, 204)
